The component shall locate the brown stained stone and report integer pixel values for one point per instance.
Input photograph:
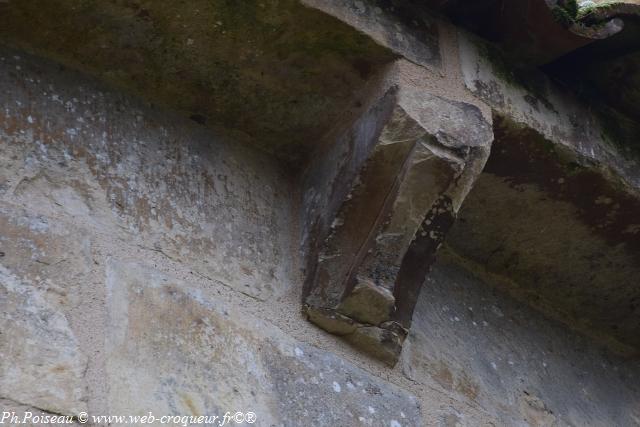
(556, 232)
(404, 27)
(276, 70)
(382, 343)
(331, 321)
(420, 256)
(328, 182)
(368, 303)
(42, 363)
(524, 157)
(359, 214)
(533, 99)
(389, 227)
(427, 178)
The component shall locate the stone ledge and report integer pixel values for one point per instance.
(383, 341)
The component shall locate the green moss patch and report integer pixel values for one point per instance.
(276, 70)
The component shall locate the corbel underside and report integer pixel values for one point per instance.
(367, 272)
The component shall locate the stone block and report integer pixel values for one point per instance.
(418, 169)
(174, 349)
(41, 364)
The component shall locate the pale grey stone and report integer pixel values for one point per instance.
(172, 349)
(40, 362)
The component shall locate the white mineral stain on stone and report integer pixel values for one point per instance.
(337, 222)
(394, 423)
(298, 352)
(242, 380)
(36, 224)
(360, 7)
(496, 310)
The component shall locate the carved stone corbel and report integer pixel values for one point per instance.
(383, 240)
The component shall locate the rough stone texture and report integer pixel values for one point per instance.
(325, 183)
(396, 213)
(276, 70)
(530, 193)
(588, 46)
(90, 177)
(113, 165)
(41, 363)
(557, 169)
(368, 303)
(187, 240)
(407, 30)
(477, 343)
(552, 111)
(173, 349)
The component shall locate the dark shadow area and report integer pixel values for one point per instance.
(557, 234)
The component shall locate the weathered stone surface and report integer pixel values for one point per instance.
(331, 321)
(344, 395)
(383, 342)
(43, 265)
(276, 70)
(53, 255)
(605, 73)
(41, 364)
(73, 150)
(551, 110)
(475, 342)
(172, 349)
(112, 179)
(375, 176)
(420, 256)
(427, 175)
(326, 182)
(372, 263)
(454, 124)
(557, 234)
(554, 214)
(368, 303)
(611, 86)
(406, 29)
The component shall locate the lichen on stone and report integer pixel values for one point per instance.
(585, 13)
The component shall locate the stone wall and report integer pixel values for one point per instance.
(149, 263)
